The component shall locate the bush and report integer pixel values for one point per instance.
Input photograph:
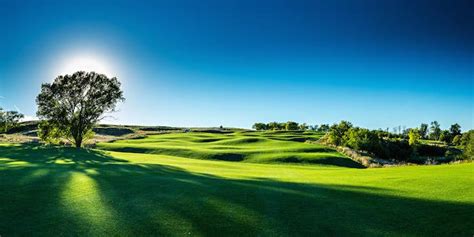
(395, 149)
(361, 139)
(467, 145)
(291, 126)
(453, 154)
(372, 142)
(337, 132)
(431, 151)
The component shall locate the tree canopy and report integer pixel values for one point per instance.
(9, 119)
(73, 104)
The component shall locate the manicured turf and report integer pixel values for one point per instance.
(256, 147)
(48, 191)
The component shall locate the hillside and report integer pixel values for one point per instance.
(245, 146)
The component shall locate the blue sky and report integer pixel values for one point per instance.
(378, 64)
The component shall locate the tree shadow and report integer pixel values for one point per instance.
(62, 191)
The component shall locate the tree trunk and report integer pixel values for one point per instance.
(78, 142)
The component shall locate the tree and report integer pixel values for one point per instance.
(323, 128)
(304, 126)
(73, 104)
(314, 127)
(455, 130)
(435, 130)
(259, 126)
(291, 126)
(2, 120)
(362, 139)
(273, 126)
(413, 136)
(9, 119)
(445, 136)
(423, 130)
(337, 131)
(467, 143)
(457, 140)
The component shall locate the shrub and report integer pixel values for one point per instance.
(467, 145)
(457, 140)
(395, 149)
(362, 139)
(429, 150)
(445, 136)
(337, 131)
(260, 126)
(453, 154)
(414, 137)
(291, 126)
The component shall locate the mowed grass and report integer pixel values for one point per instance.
(256, 147)
(50, 191)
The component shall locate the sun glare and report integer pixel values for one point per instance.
(84, 62)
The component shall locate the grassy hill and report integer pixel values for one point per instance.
(246, 146)
(49, 191)
(151, 186)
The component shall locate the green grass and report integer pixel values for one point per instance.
(50, 191)
(256, 147)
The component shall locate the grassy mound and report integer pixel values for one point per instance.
(69, 192)
(257, 147)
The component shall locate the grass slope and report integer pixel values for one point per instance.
(256, 147)
(63, 191)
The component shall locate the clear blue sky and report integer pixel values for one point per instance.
(376, 63)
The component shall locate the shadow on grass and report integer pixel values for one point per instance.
(62, 191)
(336, 161)
(232, 155)
(180, 152)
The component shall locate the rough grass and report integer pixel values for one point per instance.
(49, 191)
(257, 147)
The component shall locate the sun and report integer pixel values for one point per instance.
(84, 62)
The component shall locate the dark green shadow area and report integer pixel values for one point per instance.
(142, 199)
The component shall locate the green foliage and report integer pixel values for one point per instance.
(376, 142)
(320, 128)
(453, 154)
(445, 136)
(303, 127)
(467, 144)
(430, 151)
(324, 128)
(337, 131)
(52, 134)
(288, 126)
(394, 150)
(414, 137)
(275, 126)
(457, 140)
(361, 139)
(435, 130)
(455, 130)
(423, 131)
(291, 126)
(73, 104)
(9, 120)
(260, 126)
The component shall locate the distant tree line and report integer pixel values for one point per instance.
(9, 120)
(290, 126)
(430, 132)
(386, 145)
